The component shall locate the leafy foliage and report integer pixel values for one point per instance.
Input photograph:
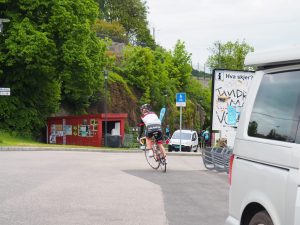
(49, 56)
(132, 15)
(52, 59)
(180, 69)
(158, 75)
(113, 30)
(230, 55)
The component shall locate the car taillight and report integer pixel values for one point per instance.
(230, 168)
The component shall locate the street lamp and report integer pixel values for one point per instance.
(165, 93)
(165, 100)
(105, 107)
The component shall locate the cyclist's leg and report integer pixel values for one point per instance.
(148, 143)
(148, 140)
(162, 149)
(159, 141)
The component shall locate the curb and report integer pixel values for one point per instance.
(185, 153)
(25, 148)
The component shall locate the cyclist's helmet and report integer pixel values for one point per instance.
(147, 107)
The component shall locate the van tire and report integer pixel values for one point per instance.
(261, 217)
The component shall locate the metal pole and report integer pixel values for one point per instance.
(47, 134)
(219, 57)
(165, 100)
(105, 110)
(153, 33)
(180, 127)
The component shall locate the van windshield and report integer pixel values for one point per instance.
(184, 136)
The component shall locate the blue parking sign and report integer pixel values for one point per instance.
(181, 99)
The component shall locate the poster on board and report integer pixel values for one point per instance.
(230, 90)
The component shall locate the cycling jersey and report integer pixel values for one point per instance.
(152, 123)
(150, 118)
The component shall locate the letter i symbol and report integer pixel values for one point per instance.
(220, 76)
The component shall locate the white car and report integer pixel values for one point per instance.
(189, 141)
(265, 166)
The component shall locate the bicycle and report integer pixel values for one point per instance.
(154, 156)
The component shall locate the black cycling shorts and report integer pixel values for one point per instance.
(155, 130)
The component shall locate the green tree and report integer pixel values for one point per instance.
(51, 58)
(80, 53)
(151, 74)
(164, 87)
(252, 129)
(180, 68)
(113, 30)
(146, 70)
(132, 15)
(201, 98)
(28, 65)
(49, 55)
(230, 55)
(137, 66)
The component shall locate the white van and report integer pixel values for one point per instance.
(189, 141)
(264, 171)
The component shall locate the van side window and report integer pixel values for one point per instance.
(276, 110)
(194, 137)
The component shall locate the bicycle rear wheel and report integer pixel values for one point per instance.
(151, 159)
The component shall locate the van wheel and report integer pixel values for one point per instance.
(261, 218)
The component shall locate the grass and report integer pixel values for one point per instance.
(7, 139)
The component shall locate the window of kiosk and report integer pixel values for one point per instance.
(110, 126)
(87, 129)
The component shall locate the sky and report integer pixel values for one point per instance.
(263, 24)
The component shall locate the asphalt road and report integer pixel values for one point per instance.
(97, 188)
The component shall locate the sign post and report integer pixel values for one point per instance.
(4, 91)
(181, 102)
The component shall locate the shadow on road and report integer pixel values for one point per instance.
(191, 197)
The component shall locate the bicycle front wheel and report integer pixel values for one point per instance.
(151, 159)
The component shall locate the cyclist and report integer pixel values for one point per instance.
(206, 136)
(153, 124)
(168, 132)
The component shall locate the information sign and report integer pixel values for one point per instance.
(181, 99)
(5, 91)
(230, 90)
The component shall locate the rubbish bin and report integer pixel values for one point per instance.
(113, 141)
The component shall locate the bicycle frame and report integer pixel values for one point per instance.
(156, 160)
